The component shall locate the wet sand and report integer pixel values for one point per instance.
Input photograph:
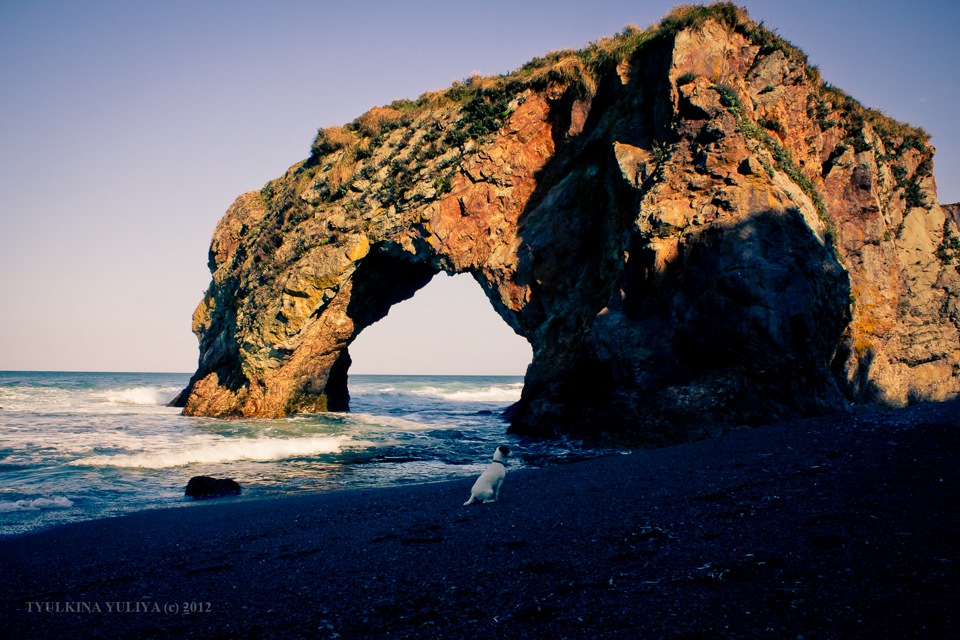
(846, 526)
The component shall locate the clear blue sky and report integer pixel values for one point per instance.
(128, 128)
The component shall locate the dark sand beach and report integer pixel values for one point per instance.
(837, 527)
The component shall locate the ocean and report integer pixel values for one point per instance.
(79, 446)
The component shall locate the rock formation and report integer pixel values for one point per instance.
(692, 229)
(202, 487)
(952, 212)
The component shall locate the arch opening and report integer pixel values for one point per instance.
(448, 327)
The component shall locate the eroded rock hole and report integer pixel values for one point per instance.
(447, 328)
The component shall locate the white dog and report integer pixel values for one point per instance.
(487, 486)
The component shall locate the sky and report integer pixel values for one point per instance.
(128, 128)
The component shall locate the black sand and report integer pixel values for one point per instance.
(839, 527)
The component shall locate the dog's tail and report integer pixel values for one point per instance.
(471, 500)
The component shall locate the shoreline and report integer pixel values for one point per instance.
(837, 526)
(104, 442)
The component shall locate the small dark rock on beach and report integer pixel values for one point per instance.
(201, 487)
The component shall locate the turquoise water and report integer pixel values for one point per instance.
(76, 446)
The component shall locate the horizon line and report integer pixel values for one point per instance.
(187, 373)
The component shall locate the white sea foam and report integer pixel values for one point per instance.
(393, 422)
(140, 395)
(495, 393)
(37, 504)
(252, 449)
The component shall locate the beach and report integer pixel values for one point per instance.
(844, 526)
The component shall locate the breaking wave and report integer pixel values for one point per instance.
(37, 504)
(254, 449)
(140, 395)
(495, 393)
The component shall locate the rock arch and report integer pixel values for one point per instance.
(282, 308)
(680, 233)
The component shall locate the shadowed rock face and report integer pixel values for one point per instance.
(952, 212)
(691, 230)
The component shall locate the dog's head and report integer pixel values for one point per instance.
(505, 451)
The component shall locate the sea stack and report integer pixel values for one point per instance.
(692, 229)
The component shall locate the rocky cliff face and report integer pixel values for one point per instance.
(952, 212)
(693, 231)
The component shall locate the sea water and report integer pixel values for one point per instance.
(77, 446)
